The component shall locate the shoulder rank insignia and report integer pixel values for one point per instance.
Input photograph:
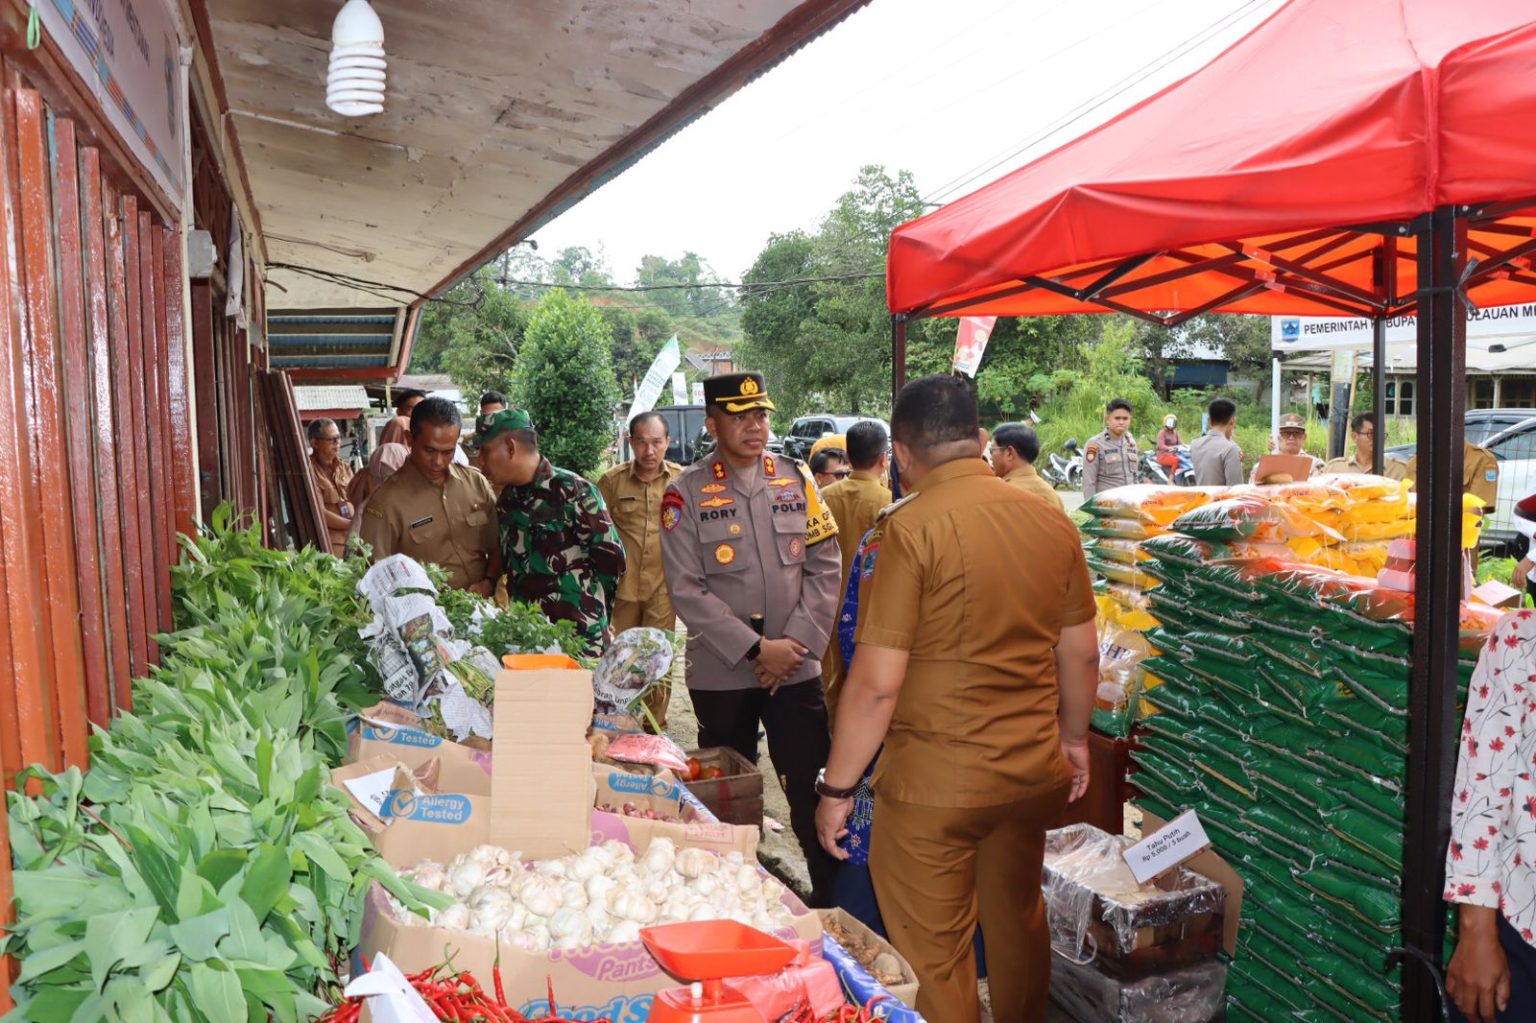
(768, 464)
(888, 509)
(717, 468)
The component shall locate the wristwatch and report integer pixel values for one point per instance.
(823, 789)
(755, 649)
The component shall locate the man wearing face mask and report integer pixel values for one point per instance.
(753, 566)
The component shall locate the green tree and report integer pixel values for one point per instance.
(483, 339)
(564, 378)
(827, 344)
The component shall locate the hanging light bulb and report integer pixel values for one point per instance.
(355, 85)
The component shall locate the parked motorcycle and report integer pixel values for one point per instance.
(1066, 472)
(1151, 470)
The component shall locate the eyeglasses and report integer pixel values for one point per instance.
(841, 474)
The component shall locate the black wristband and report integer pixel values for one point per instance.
(755, 649)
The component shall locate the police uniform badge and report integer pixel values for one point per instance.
(725, 554)
(1091, 452)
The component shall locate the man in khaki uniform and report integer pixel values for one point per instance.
(745, 535)
(633, 492)
(436, 511)
(1014, 450)
(855, 503)
(1217, 459)
(1292, 441)
(976, 668)
(1363, 429)
(1110, 458)
(332, 478)
(1479, 474)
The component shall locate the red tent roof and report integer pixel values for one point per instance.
(1229, 187)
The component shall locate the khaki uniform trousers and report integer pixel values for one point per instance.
(936, 871)
(655, 613)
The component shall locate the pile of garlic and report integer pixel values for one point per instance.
(603, 894)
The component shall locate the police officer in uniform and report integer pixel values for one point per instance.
(743, 534)
(1111, 459)
(434, 510)
(1479, 477)
(976, 667)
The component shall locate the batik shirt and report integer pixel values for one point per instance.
(1492, 857)
(561, 550)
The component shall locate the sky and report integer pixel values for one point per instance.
(959, 92)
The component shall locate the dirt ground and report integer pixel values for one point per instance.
(779, 852)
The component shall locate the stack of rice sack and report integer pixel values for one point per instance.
(1120, 520)
(1339, 522)
(1282, 720)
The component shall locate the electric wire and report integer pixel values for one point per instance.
(1081, 111)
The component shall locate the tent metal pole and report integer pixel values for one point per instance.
(1378, 392)
(1432, 722)
(898, 355)
(1274, 395)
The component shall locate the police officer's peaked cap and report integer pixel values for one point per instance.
(737, 392)
(493, 424)
(1292, 421)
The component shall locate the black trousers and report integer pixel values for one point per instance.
(795, 719)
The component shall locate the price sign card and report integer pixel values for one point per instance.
(1179, 840)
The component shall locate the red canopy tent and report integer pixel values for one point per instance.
(1227, 191)
(1369, 157)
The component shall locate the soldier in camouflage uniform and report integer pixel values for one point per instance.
(559, 546)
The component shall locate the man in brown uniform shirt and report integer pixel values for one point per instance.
(855, 503)
(332, 478)
(435, 511)
(977, 663)
(1014, 450)
(633, 492)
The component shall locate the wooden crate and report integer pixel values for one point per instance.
(1180, 925)
(736, 797)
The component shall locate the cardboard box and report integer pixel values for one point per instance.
(616, 981)
(389, 730)
(666, 795)
(390, 774)
(1211, 865)
(1289, 468)
(904, 992)
(736, 797)
(541, 777)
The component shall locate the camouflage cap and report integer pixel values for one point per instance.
(493, 424)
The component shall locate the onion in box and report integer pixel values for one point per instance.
(636, 662)
(543, 905)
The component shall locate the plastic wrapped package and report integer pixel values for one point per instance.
(1182, 552)
(1120, 572)
(1123, 529)
(1148, 503)
(1192, 994)
(1121, 652)
(1251, 517)
(1096, 910)
(1109, 549)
